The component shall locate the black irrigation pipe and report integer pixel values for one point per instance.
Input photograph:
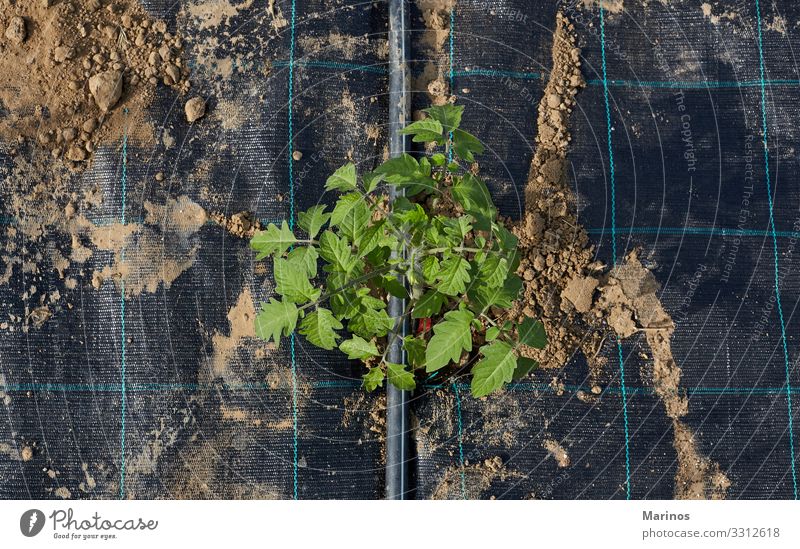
(398, 439)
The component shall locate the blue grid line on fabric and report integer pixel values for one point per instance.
(775, 242)
(295, 461)
(523, 75)
(460, 422)
(123, 390)
(335, 65)
(614, 250)
(696, 231)
(356, 384)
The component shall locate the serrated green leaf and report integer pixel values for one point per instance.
(415, 349)
(313, 219)
(357, 348)
(430, 269)
(453, 276)
(400, 377)
(482, 297)
(449, 116)
(275, 319)
(458, 227)
(370, 238)
(524, 367)
(465, 144)
(371, 181)
(273, 240)
(492, 333)
(351, 214)
(343, 179)
(494, 370)
(337, 252)
(430, 304)
(414, 214)
(369, 323)
(493, 271)
(438, 159)
(291, 281)
(305, 258)
(473, 195)
(425, 130)
(393, 287)
(319, 326)
(452, 336)
(531, 333)
(373, 379)
(405, 171)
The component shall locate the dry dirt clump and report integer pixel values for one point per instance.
(579, 303)
(559, 273)
(69, 70)
(241, 225)
(436, 19)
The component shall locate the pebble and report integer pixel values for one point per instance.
(106, 88)
(297, 155)
(195, 109)
(16, 31)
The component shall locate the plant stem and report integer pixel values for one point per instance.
(434, 251)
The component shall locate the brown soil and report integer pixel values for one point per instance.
(436, 19)
(473, 480)
(241, 225)
(66, 86)
(581, 305)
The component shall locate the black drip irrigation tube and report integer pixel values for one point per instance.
(398, 439)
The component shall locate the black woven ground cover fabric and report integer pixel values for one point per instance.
(122, 396)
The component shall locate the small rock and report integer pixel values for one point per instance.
(26, 454)
(160, 176)
(172, 72)
(195, 109)
(297, 155)
(76, 153)
(553, 101)
(16, 32)
(106, 88)
(90, 125)
(62, 53)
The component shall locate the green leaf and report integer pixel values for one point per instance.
(337, 252)
(405, 171)
(370, 238)
(453, 276)
(438, 159)
(412, 214)
(494, 370)
(524, 367)
(415, 349)
(351, 214)
(474, 197)
(373, 379)
(393, 287)
(425, 130)
(313, 219)
(492, 333)
(400, 377)
(452, 336)
(459, 227)
(493, 271)
(531, 333)
(371, 181)
(276, 318)
(343, 179)
(428, 305)
(304, 258)
(371, 323)
(272, 240)
(358, 348)
(319, 326)
(449, 116)
(430, 268)
(465, 144)
(483, 297)
(291, 281)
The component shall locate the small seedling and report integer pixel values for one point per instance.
(440, 247)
